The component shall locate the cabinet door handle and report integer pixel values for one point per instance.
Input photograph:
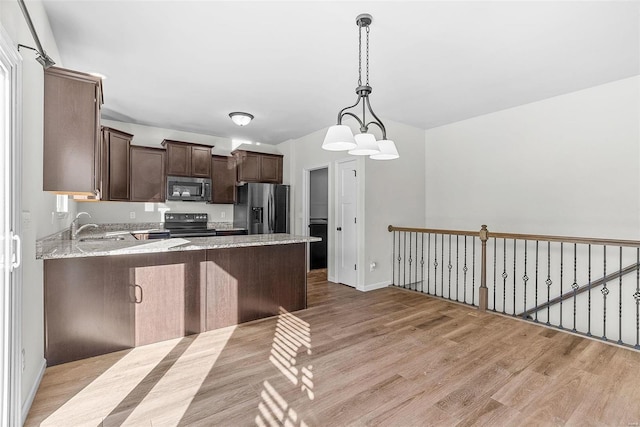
(339, 228)
(135, 294)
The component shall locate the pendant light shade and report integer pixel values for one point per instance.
(388, 151)
(339, 138)
(367, 145)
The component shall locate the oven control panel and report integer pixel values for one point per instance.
(186, 217)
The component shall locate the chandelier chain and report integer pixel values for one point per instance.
(359, 55)
(367, 56)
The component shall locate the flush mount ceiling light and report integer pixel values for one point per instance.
(241, 119)
(340, 137)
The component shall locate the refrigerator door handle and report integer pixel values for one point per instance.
(273, 213)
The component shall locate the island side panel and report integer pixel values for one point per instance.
(249, 283)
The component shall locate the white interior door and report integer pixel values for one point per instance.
(10, 250)
(346, 224)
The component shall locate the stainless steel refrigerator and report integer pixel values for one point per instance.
(262, 208)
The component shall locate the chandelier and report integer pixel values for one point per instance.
(340, 137)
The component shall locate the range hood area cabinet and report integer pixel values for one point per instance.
(115, 164)
(258, 167)
(148, 177)
(187, 159)
(71, 145)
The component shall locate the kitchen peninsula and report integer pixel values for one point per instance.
(113, 292)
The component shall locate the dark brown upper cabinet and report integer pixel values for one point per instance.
(115, 164)
(71, 143)
(258, 167)
(186, 159)
(148, 178)
(223, 180)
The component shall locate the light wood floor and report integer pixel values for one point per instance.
(386, 357)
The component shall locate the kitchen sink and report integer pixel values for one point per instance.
(100, 238)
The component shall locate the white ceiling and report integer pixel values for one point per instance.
(186, 64)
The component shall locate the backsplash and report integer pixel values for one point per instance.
(139, 213)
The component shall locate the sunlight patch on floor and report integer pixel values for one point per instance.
(182, 382)
(108, 390)
(291, 344)
(118, 384)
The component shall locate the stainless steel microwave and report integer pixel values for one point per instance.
(180, 188)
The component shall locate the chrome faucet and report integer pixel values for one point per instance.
(74, 225)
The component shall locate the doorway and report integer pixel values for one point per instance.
(10, 247)
(318, 217)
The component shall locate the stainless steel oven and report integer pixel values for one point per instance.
(188, 189)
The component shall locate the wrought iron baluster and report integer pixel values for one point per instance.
(393, 257)
(514, 277)
(473, 271)
(620, 302)
(442, 269)
(449, 266)
(457, 269)
(428, 265)
(525, 278)
(574, 285)
(495, 284)
(548, 282)
(422, 265)
(589, 293)
(561, 272)
(605, 292)
(416, 275)
(637, 298)
(399, 259)
(435, 265)
(504, 276)
(410, 259)
(464, 269)
(537, 246)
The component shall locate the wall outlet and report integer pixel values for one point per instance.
(132, 215)
(26, 220)
(24, 361)
(222, 214)
(372, 266)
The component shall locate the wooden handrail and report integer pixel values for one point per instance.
(569, 294)
(433, 231)
(517, 236)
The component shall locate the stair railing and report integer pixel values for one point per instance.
(564, 282)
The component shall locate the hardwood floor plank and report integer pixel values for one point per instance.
(389, 357)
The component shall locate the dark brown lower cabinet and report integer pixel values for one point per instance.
(166, 289)
(245, 284)
(98, 305)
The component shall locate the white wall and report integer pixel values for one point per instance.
(568, 165)
(395, 195)
(391, 192)
(37, 206)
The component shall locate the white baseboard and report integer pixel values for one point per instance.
(331, 279)
(26, 406)
(374, 286)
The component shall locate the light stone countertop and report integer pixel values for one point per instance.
(60, 246)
